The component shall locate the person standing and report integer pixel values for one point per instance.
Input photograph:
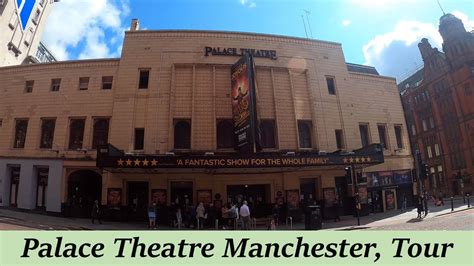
(335, 205)
(152, 216)
(96, 212)
(245, 214)
(200, 215)
(425, 203)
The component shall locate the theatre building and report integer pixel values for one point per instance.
(157, 125)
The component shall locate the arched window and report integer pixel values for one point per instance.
(225, 134)
(182, 135)
(267, 134)
(304, 132)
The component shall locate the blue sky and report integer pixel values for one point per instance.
(382, 33)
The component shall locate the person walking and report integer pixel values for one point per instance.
(225, 215)
(96, 212)
(152, 216)
(425, 203)
(245, 215)
(419, 206)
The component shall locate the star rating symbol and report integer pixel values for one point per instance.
(145, 162)
(129, 162)
(368, 159)
(362, 159)
(357, 160)
(120, 162)
(137, 162)
(344, 160)
(351, 160)
(154, 162)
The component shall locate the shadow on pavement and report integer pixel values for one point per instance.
(414, 220)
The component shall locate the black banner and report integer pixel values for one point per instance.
(235, 161)
(244, 108)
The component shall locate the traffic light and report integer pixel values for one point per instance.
(424, 171)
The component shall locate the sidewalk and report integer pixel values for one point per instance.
(44, 222)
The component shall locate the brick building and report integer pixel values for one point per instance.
(439, 108)
(168, 97)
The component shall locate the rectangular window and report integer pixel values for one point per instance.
(437, 150)
(29, 86)
(339, 139)
(13, 21)
(101, 132)
(1, 122)
(84, 83)
(76, 133)
(432, 124)
(331, 85)
(107, 82)
(413, 129)
(21, 126)
(304, 131)
(383, 135)
(425, 126)
(139, 138)
(467, 89)
(398, 136)
(47, 133)
(144, 77)
(268, 137)
(364, 135)
(55, 84)
(36, 17)
(28, 36)
(429, 152)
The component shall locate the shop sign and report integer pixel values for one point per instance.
(222, 51)
(388, 178)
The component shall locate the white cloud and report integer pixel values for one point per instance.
(247, 3)
(95, 23)
(396, 53)
(346, 22)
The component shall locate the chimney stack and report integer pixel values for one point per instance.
(135, 25)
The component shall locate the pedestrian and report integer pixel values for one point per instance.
(152, 216)
(275, 214)
(179, 218)
(233, 215)
(96, 212)
(335, 206)
(225, 216)
(419, 206)
(200, 215)
(245, 215)
(425, 203)
(404, 203)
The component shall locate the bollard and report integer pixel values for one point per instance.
(291, 223)
(464, 199)
(452, 204)
(217, 224)
(468, 200)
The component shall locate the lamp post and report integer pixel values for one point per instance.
(356, 190)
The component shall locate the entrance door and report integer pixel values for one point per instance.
(137, 200)
(84, 187)
(376, 201)
(182, 193)
(257, 197)
(308, 189)
(14, 184)
(345, 201)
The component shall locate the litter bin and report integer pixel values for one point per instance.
(313, 217)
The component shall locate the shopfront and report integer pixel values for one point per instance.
(388, 190)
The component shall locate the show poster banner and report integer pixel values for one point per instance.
(244, 106)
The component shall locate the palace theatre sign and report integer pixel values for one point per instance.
(220, 51)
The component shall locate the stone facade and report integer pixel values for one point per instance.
(185, 84)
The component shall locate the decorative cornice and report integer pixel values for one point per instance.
(230, 35)
(370, 77)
